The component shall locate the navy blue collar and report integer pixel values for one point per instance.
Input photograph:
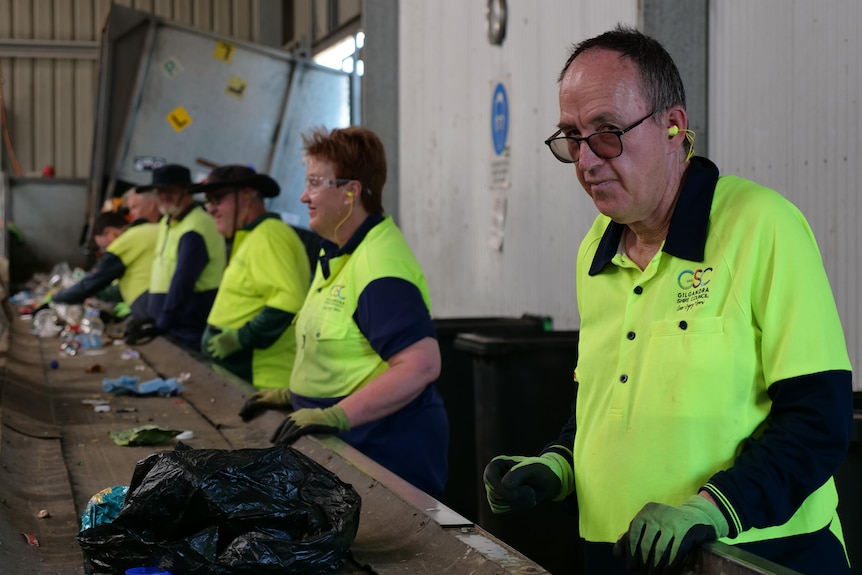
(686, 236)
(331, 249)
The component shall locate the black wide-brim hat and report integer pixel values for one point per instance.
(237, 176)
(168, 176)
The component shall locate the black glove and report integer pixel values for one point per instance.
(517, 483)
(660, 536)
(277, 398)
(329, 421)
(140, 331)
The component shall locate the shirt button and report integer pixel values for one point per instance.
(683, 324)
(639, 290)
(624, 378)
(630, 335)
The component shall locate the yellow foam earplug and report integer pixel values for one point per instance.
(673, 131)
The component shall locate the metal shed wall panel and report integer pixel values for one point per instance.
(48, 51)
(784, 98)
(448, 73)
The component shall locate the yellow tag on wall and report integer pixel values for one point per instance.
(236, 87)
(224, 51)
(179, 119)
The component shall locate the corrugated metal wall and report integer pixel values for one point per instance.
(448, 73)
(48, 70)
(785, 88)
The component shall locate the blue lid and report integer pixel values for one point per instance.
(146, 571)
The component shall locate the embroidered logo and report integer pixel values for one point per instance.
(335, 300)
(694, 288)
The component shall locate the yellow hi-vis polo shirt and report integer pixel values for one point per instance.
(333, 357)
(268, 268)
(675, 361)
(135, 247)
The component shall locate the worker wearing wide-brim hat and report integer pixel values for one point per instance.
(249, 329)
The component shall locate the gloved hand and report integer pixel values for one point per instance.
(660, 536)
(140, 331)
(301, 422)
(516, 483)
(263, 400)
(224, 343)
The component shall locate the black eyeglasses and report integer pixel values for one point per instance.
(607, 144)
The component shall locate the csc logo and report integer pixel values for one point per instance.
(688, 279)
(336, 291)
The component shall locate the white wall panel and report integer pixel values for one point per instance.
(785, 87)
(448, 70)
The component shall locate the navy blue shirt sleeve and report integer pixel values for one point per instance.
(192, 258)
(804, 440)
(392, 316)
(109, 268)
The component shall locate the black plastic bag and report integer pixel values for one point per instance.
(228, 512)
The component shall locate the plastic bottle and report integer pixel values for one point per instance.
(92, 323)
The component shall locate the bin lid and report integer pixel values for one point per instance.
(452, 326)
(484, 344)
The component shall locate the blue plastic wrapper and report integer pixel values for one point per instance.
(128, 385)
(104, 506)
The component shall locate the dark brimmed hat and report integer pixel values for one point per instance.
(237, 176)
(167, 176)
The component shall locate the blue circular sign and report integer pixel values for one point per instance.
(500, 118)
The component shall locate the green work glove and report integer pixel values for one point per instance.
(224, 343)
(516, 483)
(121, 310)
(329, 421)
(660, 536)
(278, 398)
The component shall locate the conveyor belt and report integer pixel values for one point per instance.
(55, 453)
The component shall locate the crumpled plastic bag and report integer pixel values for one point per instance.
(228, 512)
(104, 506)
(128, 385)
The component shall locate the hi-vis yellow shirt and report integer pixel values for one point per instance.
(135, 247)
(268, 268)
(675, 361)
(165, 260)
(333, 358)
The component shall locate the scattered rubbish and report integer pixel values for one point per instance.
(184, 377)
(126, 410)
(128, 385)
(140, 368)
(104, 506)
(186, 435)
(43, 514)
(95, 401)
(95, 368)
(70, 347)
(241, 511)
(102, 408)
(130, 354)
(54, 364)
(31, 540)
(144, 435)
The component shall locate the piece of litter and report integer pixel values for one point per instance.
(95, 401)
(31, 540)
(186, 435)
(127, 409)
(130, 354)
(102, 408)
(43, 514)
(184, 377)
(140, 368)
(95, 368)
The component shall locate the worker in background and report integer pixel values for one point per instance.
(188, 263)
(367, 354)
(249, 330)
(142, 205)
(714, 385)
(128, 259)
